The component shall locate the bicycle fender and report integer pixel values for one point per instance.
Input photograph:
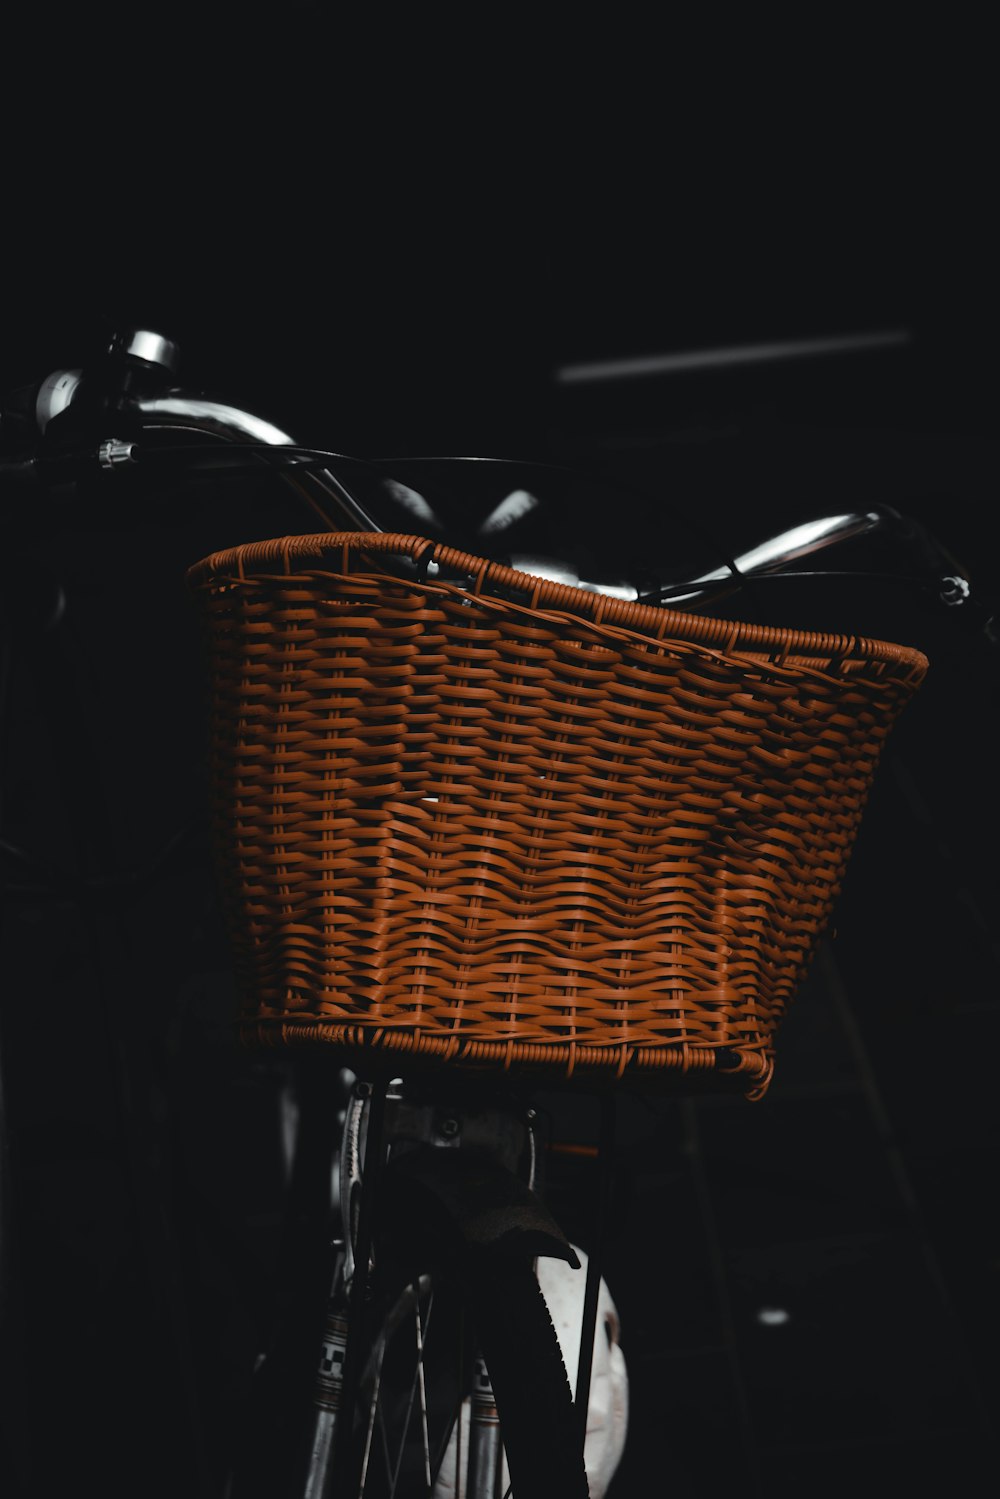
(468, 1201)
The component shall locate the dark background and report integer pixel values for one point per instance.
(370, 305)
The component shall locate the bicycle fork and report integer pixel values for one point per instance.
(432, 1180)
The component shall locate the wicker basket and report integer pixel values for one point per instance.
(473, 817)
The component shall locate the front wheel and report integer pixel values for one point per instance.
(464, 1394)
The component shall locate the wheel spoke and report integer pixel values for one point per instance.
(423, 1388)
(395, 1430)
(371, 1417)
(386, 1454)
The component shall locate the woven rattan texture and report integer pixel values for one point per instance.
(472, 816)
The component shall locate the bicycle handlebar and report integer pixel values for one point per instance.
(127, 414)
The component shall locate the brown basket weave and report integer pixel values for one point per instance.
(481, 818)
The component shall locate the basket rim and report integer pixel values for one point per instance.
(486, 579)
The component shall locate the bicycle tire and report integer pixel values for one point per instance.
(538, 1423)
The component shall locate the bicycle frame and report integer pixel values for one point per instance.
(148, 402)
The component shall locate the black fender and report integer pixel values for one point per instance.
(436, 1202)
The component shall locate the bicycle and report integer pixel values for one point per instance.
(357, 492)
